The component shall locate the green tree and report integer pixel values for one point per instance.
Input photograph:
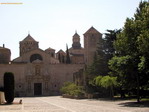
(131, 58)
(9, 87)
(106, 82)
(99, 66)
(110, 37)
(72, 89)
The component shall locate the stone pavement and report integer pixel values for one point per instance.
(58, 104)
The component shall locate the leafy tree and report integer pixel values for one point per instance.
(132, 58)
(119, 67)
(106, 82)
(9, 87)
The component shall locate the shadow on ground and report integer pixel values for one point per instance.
(135, 104)
(14, 103)
(126, 102)
(110, 99)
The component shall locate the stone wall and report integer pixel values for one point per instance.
(51, 77)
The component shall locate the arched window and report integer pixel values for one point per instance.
(35, 57)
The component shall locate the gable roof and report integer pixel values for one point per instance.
(50, 49)
(91, 30)
(29, 38)
(60, 51)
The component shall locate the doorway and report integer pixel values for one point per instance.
(38, 89)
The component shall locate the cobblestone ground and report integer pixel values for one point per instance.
(58, 104)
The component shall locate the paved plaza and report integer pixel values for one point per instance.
(58, 104)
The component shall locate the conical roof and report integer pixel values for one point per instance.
(29, 38)
(91, 30)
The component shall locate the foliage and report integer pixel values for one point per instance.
(99, 66)
(104, 52)
(131, 61)
(72, 89)
(121, 66)
(110, 37)
(106, 82)
(9, 86)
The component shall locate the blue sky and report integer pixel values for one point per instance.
(54, 22)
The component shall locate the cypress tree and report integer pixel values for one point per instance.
(67, 55)
(9, 87)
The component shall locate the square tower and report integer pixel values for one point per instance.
(91, 42)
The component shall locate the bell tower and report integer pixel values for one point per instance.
(91, 41)
(76, 41)
(28, 44)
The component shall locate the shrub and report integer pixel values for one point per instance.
(9, 87)
(72, 89)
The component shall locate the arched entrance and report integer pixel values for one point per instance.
(37, 89)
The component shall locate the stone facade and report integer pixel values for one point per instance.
(42, 72)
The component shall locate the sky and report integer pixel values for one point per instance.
(53, 22)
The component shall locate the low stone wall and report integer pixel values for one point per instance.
(2, 98)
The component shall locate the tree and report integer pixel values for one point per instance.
(106, 82)
(72, 89)
(67, 56)
(109, 39)
(131, 59)
(99, 66)
(9, 87)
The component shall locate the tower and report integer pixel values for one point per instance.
(76, 51)
(28, 44)
(5, 55)
(91, 41)
(76, 41)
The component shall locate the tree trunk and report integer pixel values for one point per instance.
(138, 89)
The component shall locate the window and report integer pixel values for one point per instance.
(35, 57)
